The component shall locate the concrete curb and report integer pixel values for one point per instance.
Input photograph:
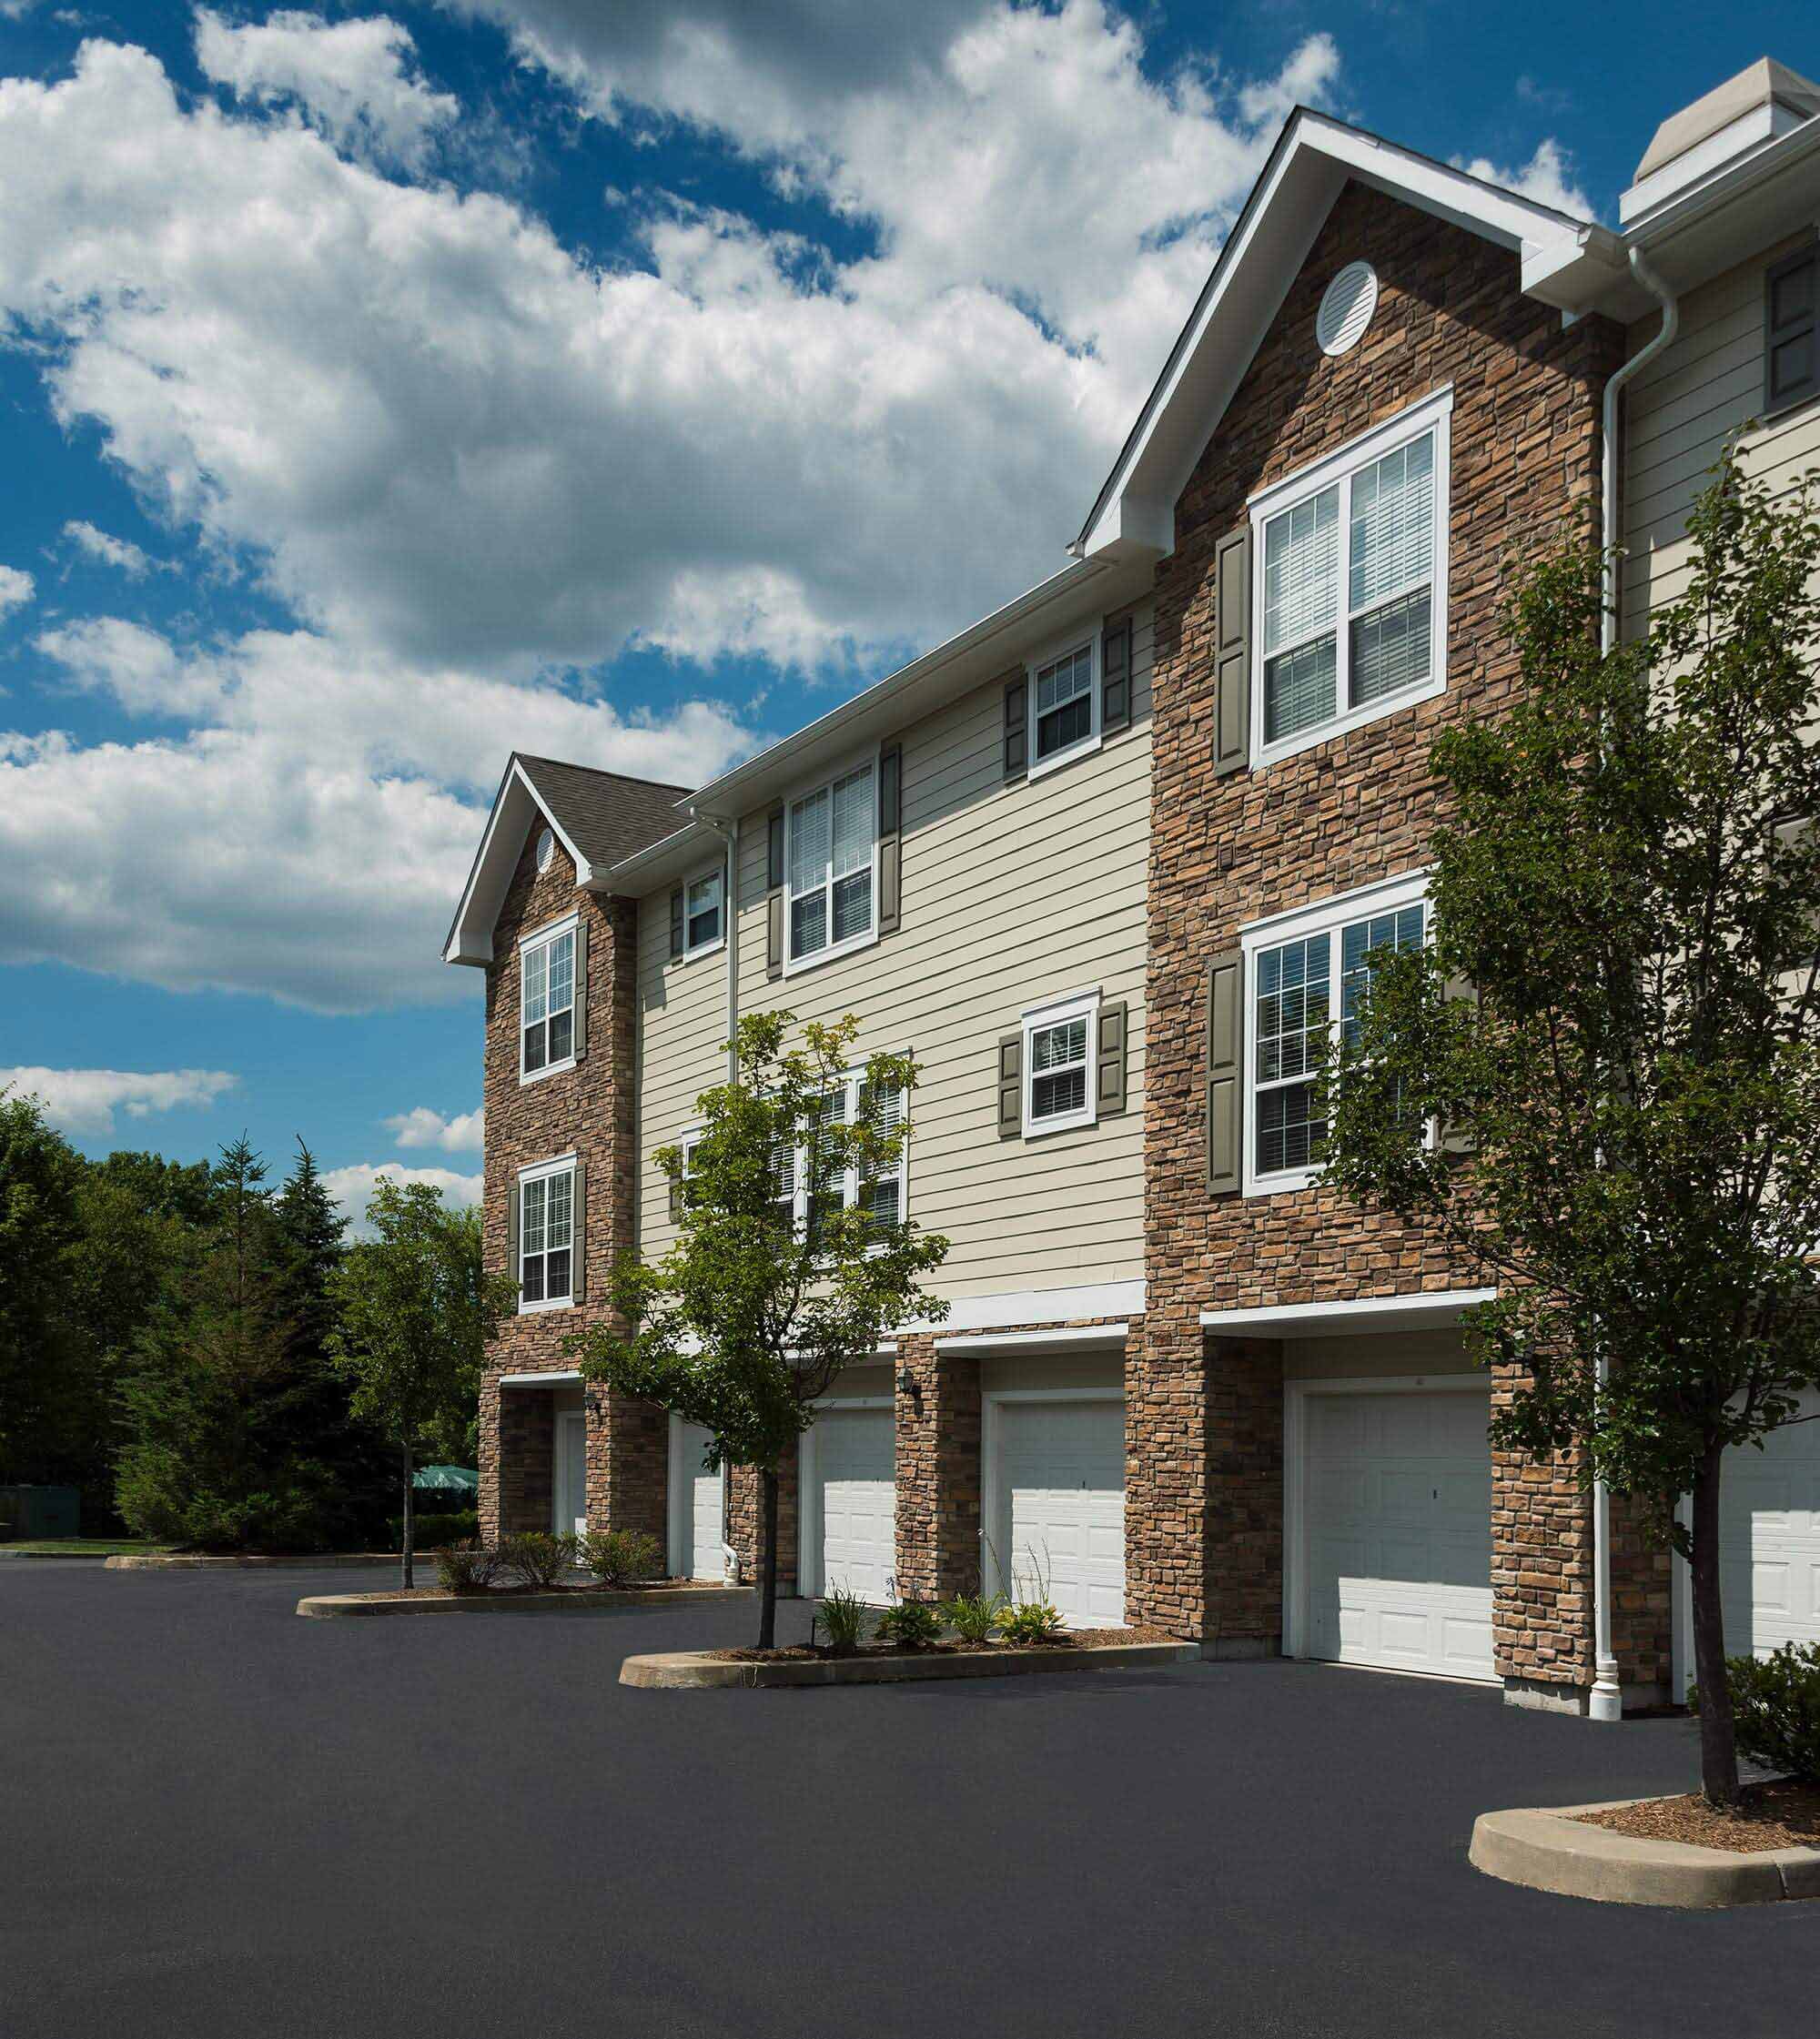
(53, 1557)
(1547, 1849)
(332, 1560)
(331, 1606)
(694, 1670)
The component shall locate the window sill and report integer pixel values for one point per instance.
(539, 1309)
(1040, 1129)
(706, 949)
(1283, 1183)
(1084, 749)
(799, 966)
(1267, 754)
(549, 1069)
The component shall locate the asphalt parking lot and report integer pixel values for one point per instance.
(222, 1818)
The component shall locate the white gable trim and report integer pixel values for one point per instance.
(1270, 241)
(471, 937)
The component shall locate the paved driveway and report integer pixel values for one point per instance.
(219, 1819)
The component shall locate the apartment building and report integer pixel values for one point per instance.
(1105, 864)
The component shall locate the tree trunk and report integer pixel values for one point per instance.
(767, 1584)
(409, 1523)
(1718, 1743)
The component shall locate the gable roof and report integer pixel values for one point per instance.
(1134, 514)
(599, 817)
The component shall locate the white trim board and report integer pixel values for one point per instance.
(1064, 1338)
(1296, 1397)
(558, 1378)
(1427, 1310)
(1000, 1311)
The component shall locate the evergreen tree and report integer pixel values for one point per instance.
(47, 1377)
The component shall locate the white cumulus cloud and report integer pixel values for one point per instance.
(85, 1100)
(103, 547)
(351, 79)
(1547, 178)
(352, 1186)
(464, 1133)
(16, 589)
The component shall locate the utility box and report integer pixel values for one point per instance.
(33, 1513)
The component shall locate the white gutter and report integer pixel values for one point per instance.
(1607, 1702)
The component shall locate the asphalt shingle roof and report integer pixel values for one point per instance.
(604, 814)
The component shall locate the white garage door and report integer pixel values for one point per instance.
(1769, 1540)
(856, 1491)
(1397, 1536)
(699, 1516)
(1062, 1507)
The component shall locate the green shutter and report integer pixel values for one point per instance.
(580, 1021)
(1011, 1087)
(578, 1237)
(1017, 728)
(773, 895)
(676, 932)
(890, 838)
(1109, 1060)
(1115, 666)
(1232, 652)
(1225, 1072)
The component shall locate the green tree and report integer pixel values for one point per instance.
(749, 1318)
(45, 1362)
(1630, 1105)
(415, 1310)
(208, 1458)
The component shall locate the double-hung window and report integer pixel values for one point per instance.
(1351, 564)
(833, 837)
(1066, 706)
(1059, 1065)
(546, 1238)
(1306, 974)
(803, 1188)
(703, 913)
(547, 1001)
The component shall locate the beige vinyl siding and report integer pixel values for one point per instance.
(1012, 896)
(682, 1025)
(1680, 411)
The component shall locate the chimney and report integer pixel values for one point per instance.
(1735, 120)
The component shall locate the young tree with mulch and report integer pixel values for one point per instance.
(415, 1310)
(1628, 1095)
(759, 1307)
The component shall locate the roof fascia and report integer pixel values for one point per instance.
(1270, 240)
(470, 934)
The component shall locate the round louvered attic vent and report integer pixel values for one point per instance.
(1346, 308)
(546, 849)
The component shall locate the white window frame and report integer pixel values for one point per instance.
(1083, 746)
(832, 951)
(1432, 414)
(546, 1171)
(1328, 918)
(849, 1084)
(540, 938)
(1057, 1012)
(717, 873)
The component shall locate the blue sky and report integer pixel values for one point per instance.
(380, 389)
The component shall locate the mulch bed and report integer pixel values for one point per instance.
(1781, 1815)
(1071, 1639)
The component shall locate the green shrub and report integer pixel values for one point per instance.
(431, 1532)
(974, 1616)
(1030, 1621)
(1776, 1701)
(467, 1567)
(911, 1625)
(843, 1616)
(617, 1557)
(539, 1558)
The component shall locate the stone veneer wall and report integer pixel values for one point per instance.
(1204, 1514)
(938, 1473)
(744, 1522)
(592, 1111)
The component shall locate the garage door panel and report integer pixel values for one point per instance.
(1061, 1510)
(701, 1555)
(1397, 1531)
(854, 1462)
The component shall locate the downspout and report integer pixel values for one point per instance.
(1606, 1701)
(729, 833)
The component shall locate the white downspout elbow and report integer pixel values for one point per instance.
(1607, 1702)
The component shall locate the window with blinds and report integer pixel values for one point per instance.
(832, 835)
(1350, 571)
(805, 1185)
(1308, 978)
(547, 1003)
(546, 1236)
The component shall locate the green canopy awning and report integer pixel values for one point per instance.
(455, 1478)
